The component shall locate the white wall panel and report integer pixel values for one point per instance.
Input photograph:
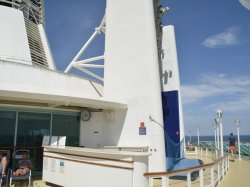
(13, 38)
(91, 134)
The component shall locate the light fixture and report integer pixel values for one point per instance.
(163, 10)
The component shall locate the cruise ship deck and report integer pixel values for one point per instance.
(237, 175)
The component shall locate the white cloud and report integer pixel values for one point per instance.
(228, 37)
(215, 85)
(230, 93)
(241, 104)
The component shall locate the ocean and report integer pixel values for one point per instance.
(243, 138)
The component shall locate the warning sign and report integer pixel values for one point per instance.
(142, 131)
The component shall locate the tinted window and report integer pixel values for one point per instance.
(31, 128)
(7, 128)
(64, 125)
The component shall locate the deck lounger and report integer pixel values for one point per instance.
(7, 153)
(19, 156)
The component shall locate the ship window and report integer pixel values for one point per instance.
(65, 125)
(21, 129)
(7, 128)
(30, 131)
(31, 128)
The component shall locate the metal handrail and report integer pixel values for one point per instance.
(222, 165)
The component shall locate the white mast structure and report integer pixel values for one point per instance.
(138, 52)
(23, 39)
(131, 73)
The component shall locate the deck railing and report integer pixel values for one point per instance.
(202, 151)
(245, 148)
(217, 170)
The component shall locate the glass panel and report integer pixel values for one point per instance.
(31, 129)
(64, 125)
(7, 128)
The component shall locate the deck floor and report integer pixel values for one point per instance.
(238, 174)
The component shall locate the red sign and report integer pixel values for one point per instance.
(142, 124)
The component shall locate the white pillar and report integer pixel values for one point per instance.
(221, 140)
(238, 131)
(219, 122)
(198, 134)
(215, 137)
(218, 137)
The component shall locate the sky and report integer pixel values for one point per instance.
(213, 46)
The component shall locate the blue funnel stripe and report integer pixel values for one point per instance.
(170, 105)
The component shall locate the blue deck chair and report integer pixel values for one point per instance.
(19, 157)
(6, 154)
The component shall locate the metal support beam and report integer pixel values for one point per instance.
(89, 60)
(90, 73)
(81, 51)
(98, 30)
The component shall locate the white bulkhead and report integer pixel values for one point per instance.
(131, 74)
(14, 44)
(171, 88)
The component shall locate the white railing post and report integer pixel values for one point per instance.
(189, 180)
(226, 164)
(201, 178)
(222, 168)
(165, 181)
(212, 176)
(228, 161)
(196, 150)
(218, 172)
(151, 182)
